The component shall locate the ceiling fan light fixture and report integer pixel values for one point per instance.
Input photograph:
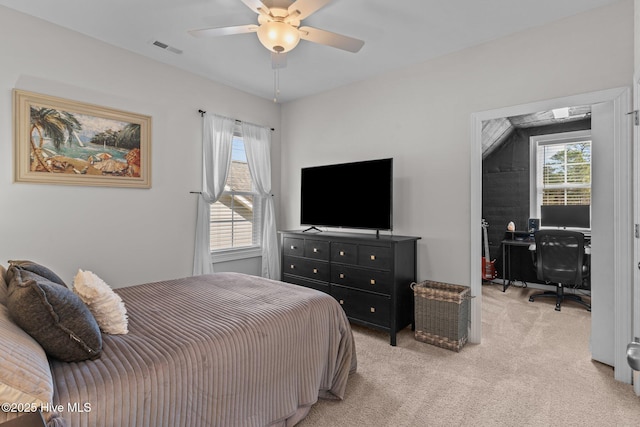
(278, 36)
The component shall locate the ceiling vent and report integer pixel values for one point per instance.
(166, 47)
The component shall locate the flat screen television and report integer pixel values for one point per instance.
(348, 195)
(565, 216)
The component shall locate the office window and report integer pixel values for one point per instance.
(561, 170)
(235, 216)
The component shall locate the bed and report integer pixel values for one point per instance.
(225, 349)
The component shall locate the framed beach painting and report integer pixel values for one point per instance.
(59, 141)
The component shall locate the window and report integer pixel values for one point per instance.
(560, 170)
(235, 216)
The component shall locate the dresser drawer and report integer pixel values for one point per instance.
(316, 249)
(310, 268)
(379, 257)
(346, 253)
(313, 284)
(361, 278)
(291, 246)
(363, 306)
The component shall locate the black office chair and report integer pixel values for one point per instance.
(560, 260)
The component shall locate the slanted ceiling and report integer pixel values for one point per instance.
(496, 131)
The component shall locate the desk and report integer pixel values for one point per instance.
(507, 244)
(530, 243)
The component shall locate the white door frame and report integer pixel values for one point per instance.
(636, 216)
(623, 256)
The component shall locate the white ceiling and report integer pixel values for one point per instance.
(396, 34)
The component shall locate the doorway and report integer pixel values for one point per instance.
(514, 152)
(612, 262)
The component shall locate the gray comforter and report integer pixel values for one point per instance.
(219, 350)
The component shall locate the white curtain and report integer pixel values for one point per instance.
(257, 142)
(217, 136)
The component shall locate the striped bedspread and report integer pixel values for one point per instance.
(225, 349)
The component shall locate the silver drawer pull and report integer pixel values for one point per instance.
(293, 266)
(342, 275)
(315, 271)
(373, 257)
(341, 253)
(293, 247)
(341, 302)
(315, 249)
(373, 281)
(373, 309)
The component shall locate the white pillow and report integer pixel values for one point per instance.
(105, 305)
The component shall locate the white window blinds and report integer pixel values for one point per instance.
(235, 216)
(564, 176)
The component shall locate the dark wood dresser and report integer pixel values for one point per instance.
(369, 276)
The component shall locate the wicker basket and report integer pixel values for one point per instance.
(442, 314)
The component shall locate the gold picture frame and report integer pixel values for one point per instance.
(60, 141)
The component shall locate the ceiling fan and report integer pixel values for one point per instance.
(279, 28)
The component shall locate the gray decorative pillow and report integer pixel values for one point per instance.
(40, 270)
(54, 316)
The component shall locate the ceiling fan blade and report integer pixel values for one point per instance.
(300, 9)
(224, 31)
(256, 6)
(278, 60)
(331, 39)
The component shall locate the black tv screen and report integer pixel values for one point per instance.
(349, 195)
(571, 216)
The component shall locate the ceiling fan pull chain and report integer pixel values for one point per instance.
(276, 84)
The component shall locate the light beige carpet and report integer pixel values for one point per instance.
(533, 368)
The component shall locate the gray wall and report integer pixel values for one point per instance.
(420, 116)
(126, 236)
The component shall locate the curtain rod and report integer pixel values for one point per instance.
(200, 192)
(202, 113)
